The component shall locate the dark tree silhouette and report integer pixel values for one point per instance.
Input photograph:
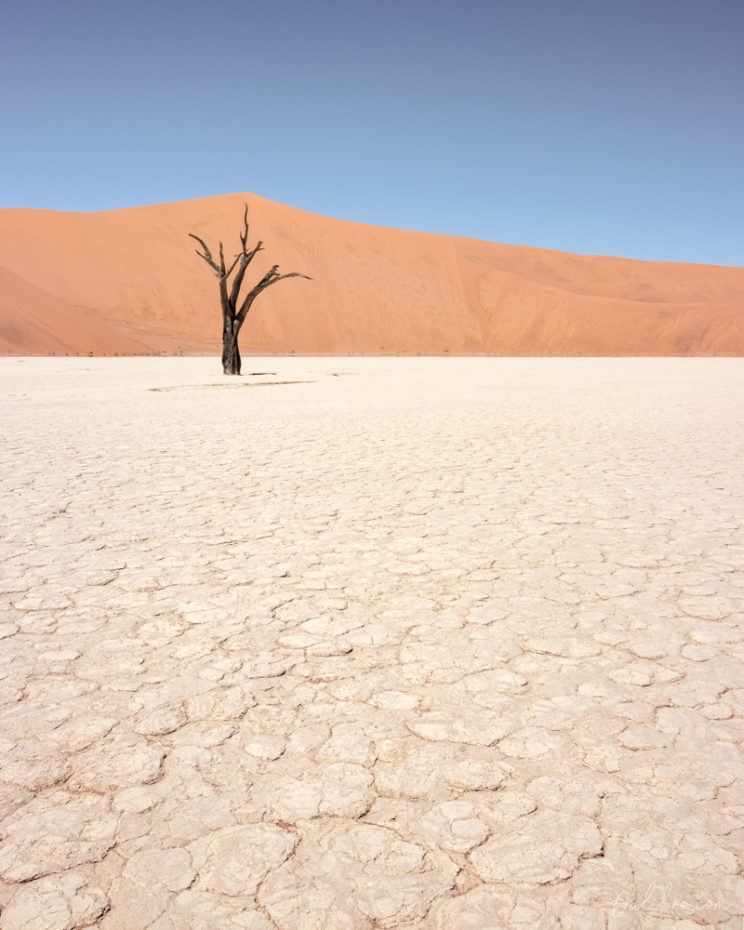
(232, 316)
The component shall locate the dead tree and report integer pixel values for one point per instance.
(232, 317)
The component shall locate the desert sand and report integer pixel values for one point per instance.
(428, 644)
(128, 281)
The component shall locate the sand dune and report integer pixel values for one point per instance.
(128, 281)
(32, 320)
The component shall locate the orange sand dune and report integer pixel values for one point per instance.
(129, 281)
(35, 322)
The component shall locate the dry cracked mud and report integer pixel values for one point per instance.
(450, 644)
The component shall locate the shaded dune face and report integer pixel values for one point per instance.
(128, 281)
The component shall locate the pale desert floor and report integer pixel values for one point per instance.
(413, 643)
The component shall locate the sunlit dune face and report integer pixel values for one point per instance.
(128, 282)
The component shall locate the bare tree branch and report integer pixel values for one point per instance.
(271, 273)
(230, 270)
(203, 244)
(271, 277)
(245, 259)
(207, 256)
(244, 234)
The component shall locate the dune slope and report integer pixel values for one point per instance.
(128, 281)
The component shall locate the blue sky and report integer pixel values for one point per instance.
(588, 126)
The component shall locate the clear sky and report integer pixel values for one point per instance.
(595, 126)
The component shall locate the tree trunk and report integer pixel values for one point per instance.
(230, 350)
